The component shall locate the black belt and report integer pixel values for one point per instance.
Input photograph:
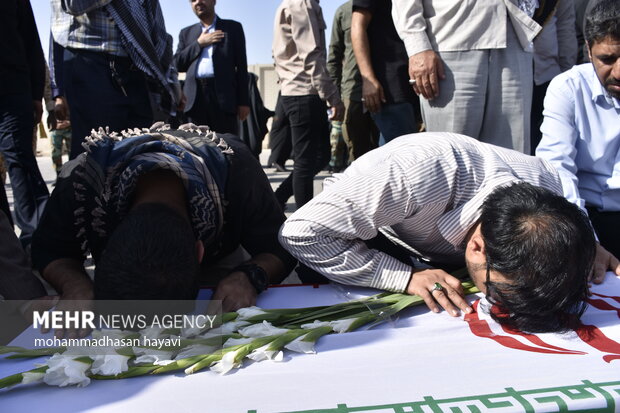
(120, 61)
(203, 81)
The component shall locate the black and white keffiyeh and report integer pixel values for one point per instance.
(107, 174)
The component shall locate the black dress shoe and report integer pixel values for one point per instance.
(279, 168)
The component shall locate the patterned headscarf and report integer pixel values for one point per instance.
(107, 174)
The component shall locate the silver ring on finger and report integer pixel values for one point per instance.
(437, 287)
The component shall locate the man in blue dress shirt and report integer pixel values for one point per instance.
(581, 131)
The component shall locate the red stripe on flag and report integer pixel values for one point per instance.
(481, 328)
(594, 337)
(607, 296)
(603, 305)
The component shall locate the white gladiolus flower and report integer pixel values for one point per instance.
(64, 370)
(315, 324)
(263, 329)
(226, 328)
(29, 377)
(151, 356)
(339, 326)
(109, 364)
(300, 346)
(227, 363)
(112, 334)
(248, 312)
(151, 332)
(262, 353)
(195, 350)
(342, 326)
(84, 351)
(190, 331)
(237, 341)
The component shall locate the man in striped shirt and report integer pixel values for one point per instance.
(452, 201)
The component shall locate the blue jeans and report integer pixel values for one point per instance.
(394, 120)
(309, 127)
(29, 190)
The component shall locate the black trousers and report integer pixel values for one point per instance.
(280, 136)
(307, 117)
(97, 97)
(607, 227)
(29, 190)
(207, 110)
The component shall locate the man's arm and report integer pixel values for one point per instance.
(335, 54)
(258, 217)
(329, 233)
(559, 137)
(372, 91)
(566, 35)
(56, 251)
(34, 54)
(241, 73)
(425, 66)
(70, 280)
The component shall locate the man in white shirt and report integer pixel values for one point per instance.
(471, 62)
(581, 126)
(452, 200)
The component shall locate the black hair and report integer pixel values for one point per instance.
(545, 247)
(602, 21)
(150, 255)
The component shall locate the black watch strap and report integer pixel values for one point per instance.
(257, 276)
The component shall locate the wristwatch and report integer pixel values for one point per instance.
(257, 276)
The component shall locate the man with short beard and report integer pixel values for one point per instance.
(581, 128)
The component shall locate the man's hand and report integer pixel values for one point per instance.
(235, 291)
(78, 297)
(207, 39)
(372, 94)
(426, 69)
(451, 298)
(337, 112)
(40, 305)
(37, 107)
(243, 112)
(61, 109)
(68, 277)
(603, 261)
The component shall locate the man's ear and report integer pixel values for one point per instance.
(200, 250)
(589, 52)
(476, 248)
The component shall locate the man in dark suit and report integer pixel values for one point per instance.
(212, 53)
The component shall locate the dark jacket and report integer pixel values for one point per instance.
(253, 129)
(22, 65)
(229, 64)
